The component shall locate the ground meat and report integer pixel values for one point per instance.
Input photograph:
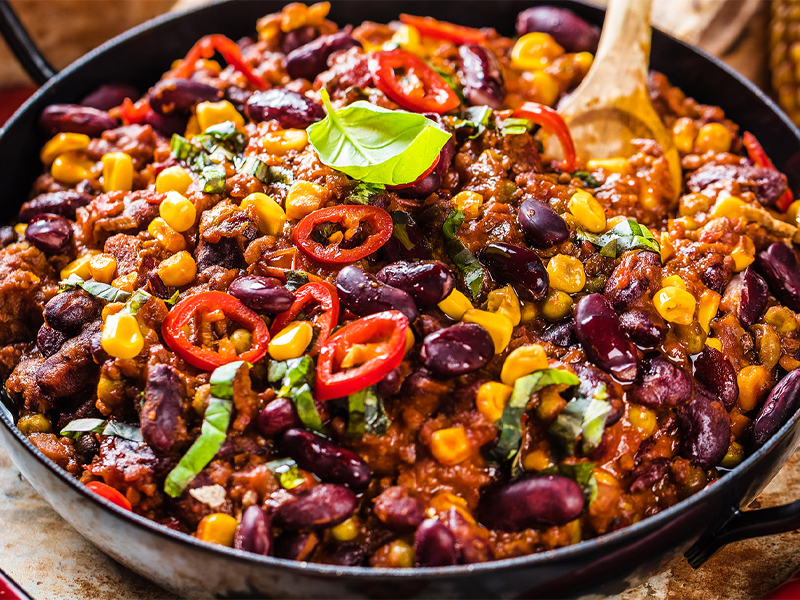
(26, 283)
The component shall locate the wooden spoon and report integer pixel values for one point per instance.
(612, 105)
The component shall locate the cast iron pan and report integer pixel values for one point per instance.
(611, 563)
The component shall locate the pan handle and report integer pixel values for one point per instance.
(21, 44)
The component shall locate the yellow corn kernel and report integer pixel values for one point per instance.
(792, 213)
(213, 113)
(730, 206)
(102, 267)
(643, 419)
(529, 313)
(34, 423)
(674, 281)
(733, 456)
(667, 249)
(713, 137)
(217, 528)
(126, 282)
(177, 211)
(410, 340)
(450, 446)
(782, 319)
(684, 132)
(192, 128)
(317, 12)
(504, 301)
(178, 270)
(588, 211)
(304, 198)
(566, 273)
(498, 326)
(714, 343)
(455, 305)
(743, 253)
(170, 239)
(71, 168)
(469, 203)
(293, 16)
(20, 228)
(523, 361)
(543, 87)
(173, 179)
(269, 213)
(754, 385)
(492, 398)
(675, 305)
(583, 61)
(117, 172)
(408, 38)
(79, 266)
(281, 142)
(61, 143)
(618, 165)
(121, 337)
(291, 341)
(707, 309)
(534, 51)
(556, 305)
(346, 531)
(538, 460)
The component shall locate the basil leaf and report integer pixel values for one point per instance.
(472, 271)
(627, 235)
(137, 301)
(182, 149)
(583, 418)
(451, 80)
(123, 430)
(287, 473)
(306, 409)
(366, 414)
(374, 144)
(296, 384)
(226, 133)
(581, 473)
(74, 428)
(587, 178)
(295, 280)
(276, 370)
(473, 121)
(95, 288)
(265, 173)
(212, 178)
(222, 379)
(356, 426)
(363, 192)
(514, 126)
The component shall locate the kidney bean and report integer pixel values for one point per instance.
(560, 334)
(72, 118)
(399, 509)
(434, 545)
(327, 461)
(715, 371)
(646, 476)
(663, 384)
(349, 554)
(297, 37)
(254, 533)
(521, 267)
(753, 298)
(69, 311)
(531, 501)
(49, 233)
(471, 546)
(167, 125)
(390, 385)
(644, 329)
(238, 97)
(637, 273)
(262, 294)
(778, 265)
(780, 406)
(427, 282)
(311, 59)
(7, 235)
(715, 276)
(63, 204)
(85, 448)
(180, 95)
(706, 429)
(296, 545)
(49, 340)
(323, 506)
(290, 109)
(542, 226)
(163, 406)
(278, 416)
(598, 330)
(109, 95)
(99, 355)
(568, 29)
(448, 151)
(364, 295)
(481, 76)
(407, 241)
(424, 187)
(767, 184)
(456, 350)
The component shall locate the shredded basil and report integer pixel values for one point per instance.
(366, 414)
(227, 134)
(95, 288)
(581, 473)
(473, 121)
(182, 149)
(583, 418)
(472, 270)
(627, 235)
(514, 126)
(295, 280)
(451, 80)
(75, 428)
(287, 473)
(212, 178)
(297, 381)
(356, 406)
(587, 178)
(363, 192)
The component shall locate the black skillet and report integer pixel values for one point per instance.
(696, 527)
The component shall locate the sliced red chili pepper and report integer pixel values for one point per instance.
(324, 295)
(109, 493)
(442, 30)
(760, 159)
(427, 172)
(387, 329)
(133, 113)
(409, 81)
(205, 48)
(176, 335)
(350, 217)
(553, 124)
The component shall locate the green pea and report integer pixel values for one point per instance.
(34, 423)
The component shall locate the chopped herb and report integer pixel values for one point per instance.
(95, 288)
(583, 418)
(213, 179)
(581, 473)
(452, 82)
(226, 133)
(296, 384)
(182, 149)
(75, 428)
(366, 414)
(287, 473)
(627, 235)
(472, 270)
(137, 301)
(473, 121)
(356, 406)
(514, 126)
(363, 192)
(587, 178)
(295, 280)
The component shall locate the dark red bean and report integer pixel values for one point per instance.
(290, 109)
(390, 385)
(568, 29)
(706, 429)
(363, 295)
(427, 282)
(753, 298)
(637, 273)
(648, 475)
(99, 355)
(63, 204)
(457, 350)
(262, 294)
(323, 506)
(561, 334)
(399, 509)
(434, 545)
(481, 76)
(254, 533)
(181, 95)
(716, 276)
(296, 545)
(778, 265)
(407, 241)
(780, 406)
(167, 125)
(448, 151)
(311, 59)
(297, 37)
(542, 226)
(645, 329)
(424, 187)
(598, 330)
(278, 416)
(162, 407)
(70, 311)
(715, 371)
(663, 384)
(471, 546)
(49, 233)
(531, 501)
(49, 340)
(238, 97)
(767, 184)
(85, 448)
(326, 460)
(349, 554)
(109, 95)
(519, 266)
(72, 118)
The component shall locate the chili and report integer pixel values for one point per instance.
(109, 493)
(552, 123)
(760, 159)
(324, 294)
(443, 30)
(178, 320)
(134, 113)
(205, 48)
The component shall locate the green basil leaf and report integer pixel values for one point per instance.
(222, 379)
(356, 425)
(182, 149)
(287, 473)
(581, 473)
(227, 134)
(587, 178)
(583, 418)
(472, 270)
(276, 370)
(363, 192)
(306, 409)
(473, 120)
(627, 235)
(137, 301)
(377, 421)
(74, 428)
(295, 280)
(451, 79)
(401, 221)
(296, 384)
(123, 430)
(95, 288)
(514, 126)
(375, 144)
(212, 178)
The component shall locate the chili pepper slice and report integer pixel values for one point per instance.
(109, 493)
(760, 159)
(386, 330)
(350, 217)
(205, 48)
(409, 81)
(443, 30)
(552, 123)
(321, 293)
(179, 319)
(133, 113)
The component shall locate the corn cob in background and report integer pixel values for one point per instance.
(784, 55)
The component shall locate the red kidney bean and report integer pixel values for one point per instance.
(390, 385)
(778, 265)
(780, 406)
(296, 545)
(109, 95)
(99, 355)
(471, 546)
(278, 416)
(63, 204)
(363, 295)
(181, 95)
(7, 235)
(519, 266)
(238, 97)
(531, 501)
(766, 184)
(706, 429)
(349, 554)
(646, 476)
(49, 340)
(85, 448)
(162, 407)
(327, 461)
(448, 151)
(398, 509)
(637, 273)
(323, 506)
(753, 298)
(645, 329)
(481, 76)
(254, 533)
(427, 282)
(297, 37)
(72, 118)
(290, 109)
(542, 226)
(49, 233)
(663, 384)
(456, 350)
(434, 545)
(716, 276)
(561, 334)
(598, 330)
(715, 371)
(407, 241)
(69, 311)
(167, 125)
(424, 187)
(262, 294)
(311, 59)
(568, 29)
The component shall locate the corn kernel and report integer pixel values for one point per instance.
(714, 343)
(400, 555)
(754, 383)
(102, 267)
(192, 128)
(534, 51)
(281, 142)
(543, 86)
(713, 137)
(618, 165)
(217, 528)
(269, 213)
(504, 301)
(177, 211)
(523, 361)
(556, 305)
(538, 460)
(121, 336)
(643, 419)
(293, 16)
(450, 446)
(730, 206)
(291, 341)
(792, 213)
(551, 404)
(733, 457)
(469, 203)
(583, 61)
(241, 340)
(667, 249)
(213, 113)
(455, 305)
(304, 198)
(71, 168)
(346, 531)
(117, 172)
(498, 326)
(492, 398)
(707, 309)
(61, 143)
(588, 211)
(410, 340)
(34, 423)
(684, 132)
(408, 38)
(169, 239)
(317, 12)
(79, 266)
(126, 282)
(20, 228)
(566, 273)
(178, 270)
(529, 313)
(674, 281)
(743, 253)
(173, 179)
(675, 305)
(783, 319)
